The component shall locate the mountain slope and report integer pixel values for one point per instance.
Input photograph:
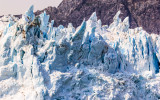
(142, 13)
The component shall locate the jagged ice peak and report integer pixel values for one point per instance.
(39, 61)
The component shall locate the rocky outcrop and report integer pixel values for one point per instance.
(142, 13)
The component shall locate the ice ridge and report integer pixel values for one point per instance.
(41, 62)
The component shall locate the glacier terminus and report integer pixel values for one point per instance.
(91, 62)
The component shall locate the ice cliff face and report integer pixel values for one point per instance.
(95, 62)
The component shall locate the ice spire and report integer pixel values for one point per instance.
(126, 24)
(50, 30)
(29, 15)
(44, 23)
(93, 17)
(99, 25)
(11, 23)
(116, 20)
(92, 21)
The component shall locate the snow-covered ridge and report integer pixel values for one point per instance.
(39, 61)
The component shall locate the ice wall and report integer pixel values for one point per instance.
(39, 61)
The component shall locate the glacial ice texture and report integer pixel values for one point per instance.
(92, 62)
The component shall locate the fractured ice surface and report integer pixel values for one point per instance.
(92, 62)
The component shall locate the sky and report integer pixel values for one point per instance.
(20, 6)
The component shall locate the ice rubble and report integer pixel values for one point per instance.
(93, 62)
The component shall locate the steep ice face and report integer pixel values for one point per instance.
(44, 18)
(39, 61)
(29, 15)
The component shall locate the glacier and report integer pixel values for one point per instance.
(91, 62)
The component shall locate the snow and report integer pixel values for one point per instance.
(41, 62)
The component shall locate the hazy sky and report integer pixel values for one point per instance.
(20, 6)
